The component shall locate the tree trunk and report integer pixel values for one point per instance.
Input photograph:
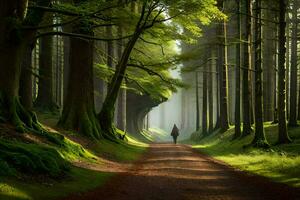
(287, 71)
(25, 91)
(121, 118)
(268, 60)
(106, 115)
(204, 99)
(247, 64)
(237, 117)
(275, 111)
(197, 103)
(222, 63)
(294, 71)
(45, 99)
(210, 94)
(282, 128)
(78, 111)
(259, 138)
(13, 45)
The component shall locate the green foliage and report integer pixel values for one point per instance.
(279, 163)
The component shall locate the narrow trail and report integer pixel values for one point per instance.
(177, 172)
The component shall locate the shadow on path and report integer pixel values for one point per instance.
(177, 172)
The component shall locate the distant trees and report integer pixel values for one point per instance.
(261, 25)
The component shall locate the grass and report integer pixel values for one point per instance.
(80, 180)
(279, 163)
(73, 147)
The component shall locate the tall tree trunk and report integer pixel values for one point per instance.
(222, 63)
(287, 64)
(25, 91)
(282, 128)
(275, 111)
(121, 118)
(197, 103)
(45, 98)
(204, 99)
(210, 94)
(268, 60)
(106, 115)
(294, 71)
(78, 111)
(237, 116)
(247, 64)
(259, 138)
(13, 44)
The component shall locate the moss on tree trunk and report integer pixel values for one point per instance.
(78, 111)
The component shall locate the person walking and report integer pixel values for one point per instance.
(175, 133)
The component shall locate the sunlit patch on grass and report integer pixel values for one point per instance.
(280, 163)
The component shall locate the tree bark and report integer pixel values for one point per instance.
(269, 50)
(294, 71)
(259, 138)
(121, 118)
(45, 99)
(237, 117)
(25, 91)
(13, 44)
(247, 64)
(106, 115)
(210, 94)
(79, 109)
(222, 63)
(197, 102)
(282, 128)
(204, 99)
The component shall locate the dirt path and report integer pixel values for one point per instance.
(177, 172)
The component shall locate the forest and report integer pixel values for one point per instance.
(149, 99)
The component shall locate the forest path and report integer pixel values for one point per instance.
(177, 172)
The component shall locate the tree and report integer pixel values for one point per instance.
(222, 63)
(237, 132)
(282, 128)
(26, 87)
(13, 44)
(204, 98)
(246, 69)
(45, 97)
(151, 15)
(210, 93)
(294, 71)
(259, 138)
(197, 102)
(78, 111)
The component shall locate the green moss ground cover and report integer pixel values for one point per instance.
(39, 166)
(280, 162)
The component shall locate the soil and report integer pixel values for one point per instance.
(177, 172)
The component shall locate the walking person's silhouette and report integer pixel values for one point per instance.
(175, 133)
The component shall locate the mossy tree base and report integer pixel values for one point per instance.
(108, 128)
(260, 143)
(13, 112)
(82, 120)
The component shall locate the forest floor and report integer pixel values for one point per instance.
(169, 171)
